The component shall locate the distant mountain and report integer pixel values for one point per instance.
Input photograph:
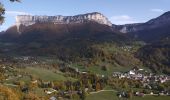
(153, 30)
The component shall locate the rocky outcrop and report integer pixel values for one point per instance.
(27, 20)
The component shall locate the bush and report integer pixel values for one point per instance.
(75, 97)
(9, 94)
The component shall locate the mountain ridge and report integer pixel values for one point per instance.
(153, 23)
(150, 31)
(28, 20)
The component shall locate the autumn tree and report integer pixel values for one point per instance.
(130, 94)
(32, 96)
(75, 97)
(8, 93)
(98, 86)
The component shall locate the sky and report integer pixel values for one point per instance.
(117, 11)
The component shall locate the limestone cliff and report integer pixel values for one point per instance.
(27, 20)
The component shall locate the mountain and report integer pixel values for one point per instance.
(27, 20)
(90, 39)
(153, 30)
(79, 38)
(42, 28)
(156, 32)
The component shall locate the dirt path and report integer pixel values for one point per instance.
(103, 91)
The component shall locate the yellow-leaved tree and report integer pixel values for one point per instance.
(8, 94)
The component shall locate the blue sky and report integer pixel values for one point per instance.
(118, 11)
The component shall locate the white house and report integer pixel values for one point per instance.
(131, 72)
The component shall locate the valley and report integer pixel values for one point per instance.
(84, 57)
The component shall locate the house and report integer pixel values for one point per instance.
(34, 82)
(131, 72)
(151, 93)
(53, 98)
(50, 91)
(84, 72)
(141, 69)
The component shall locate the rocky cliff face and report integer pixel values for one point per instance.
(27, 20)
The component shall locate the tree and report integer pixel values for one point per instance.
(130, 94)
(2, 11)
(161, 87)
(104, 68)
(125, 85)
(83, 95)
(8, 93)
(98, 86)
(32, 96)
(75, 97)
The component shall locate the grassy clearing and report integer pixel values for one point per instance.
(98, 69)
(109, 95)
(109, 71)
(45, 74)
(152, 98)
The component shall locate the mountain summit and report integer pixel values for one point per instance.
(28, 20)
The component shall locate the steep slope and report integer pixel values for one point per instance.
(153, 30)
(156, 55)
(74, 41)
(58, 32)
(156, 32)
(69, 34)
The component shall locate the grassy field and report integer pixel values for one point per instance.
(110, 69)
(102, 96)
(46, 74)
(109, 95)
(98, 69)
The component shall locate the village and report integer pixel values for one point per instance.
(148, 80)
(79, 84)
(142, 75)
